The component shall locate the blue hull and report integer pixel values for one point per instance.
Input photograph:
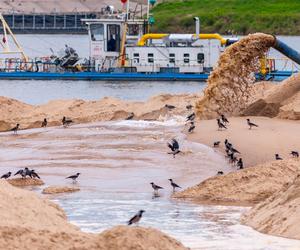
(97, 76)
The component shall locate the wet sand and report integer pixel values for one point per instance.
(257, 145)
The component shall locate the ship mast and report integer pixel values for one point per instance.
(4, 42)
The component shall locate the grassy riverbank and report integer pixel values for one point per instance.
(241, 16)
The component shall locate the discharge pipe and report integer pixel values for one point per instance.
(286, 50)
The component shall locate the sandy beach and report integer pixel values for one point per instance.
(258, 145)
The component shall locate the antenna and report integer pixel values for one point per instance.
(4, 43)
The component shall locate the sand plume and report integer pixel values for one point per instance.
(230, 82)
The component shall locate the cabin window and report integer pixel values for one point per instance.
(186, 58)
(136, 57)
(97, 32)
(172, 58)
(200, 58)
(113, 38)
(150, 58)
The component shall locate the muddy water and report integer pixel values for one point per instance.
(117, 161)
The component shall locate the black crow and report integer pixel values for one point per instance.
(233, 150)
(169, 106)
(174, 146)
(216, 144)
(277, 157)
(251, 124)
(221, 125)
(155, 187)
(192, 127)
(6, 176)
(44, 123)
(34, 174)
(191, 117)
(135, 219)
(16, 128)
(189, 107)
(295, 154)
(174, 185)
(240, 164)
(224, 119)
(21, 172)
(130, 116)
(73, 177)
(66, 122)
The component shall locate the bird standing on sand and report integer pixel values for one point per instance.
(251, 124)
(44, 123)
(295, 154)
(220, 173)
(73, 177)
(34, 174)
(174, 146)
(240, 164)
(174, 185)
(170, 106)
(130, 116)
(192, 127)
(6, 176)
(16, 128)
(277, 157)
(224, 119)
(135, 219)
(189, 107)
(156, 187)
(191, 117)
(216, 144)
(221, 125)
(21, 172)
(66, 122)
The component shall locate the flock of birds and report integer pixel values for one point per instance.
(230, 152)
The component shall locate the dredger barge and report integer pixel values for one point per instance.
(121, 48)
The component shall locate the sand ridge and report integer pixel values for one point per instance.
(28, 221)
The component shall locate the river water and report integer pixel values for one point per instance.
(38, 92)
(117, 161)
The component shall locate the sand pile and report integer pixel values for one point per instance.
(247, 187)
(22, 182)
(30, 222)
(81, 111)
(282, 102)
(279, 215)
(230, 82)
(59, 189)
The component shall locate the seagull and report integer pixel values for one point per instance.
(5, 176)
(170, 106)
(251, 124)
(44, 123)
(174, 146)
(16, 128)
(174, 185)
(131, 115)
(66, 122)
(277, 157)
(155, 187)
(189, 107)
(221, 125)
(192, 127)
(191, 117)
(216, 144)
(295, 154)
(73, 177)
(135, 219)
(240, 164)
(224, 119)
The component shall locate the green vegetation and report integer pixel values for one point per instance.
(241, 16)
